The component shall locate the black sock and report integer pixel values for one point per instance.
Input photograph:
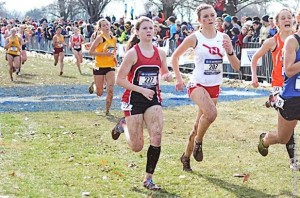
(152, 158)
(290, 147)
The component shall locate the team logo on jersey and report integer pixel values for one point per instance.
(213, 50)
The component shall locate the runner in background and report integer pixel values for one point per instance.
(104, 50)
(203, 88)
(25, 40)
(58, 45)
(284, 22)
(13, 51)
(76, 41)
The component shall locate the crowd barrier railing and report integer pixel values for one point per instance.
(245, 52)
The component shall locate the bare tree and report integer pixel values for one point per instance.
(94, 8)
(35, 13)
(3, 11)
(67, 9)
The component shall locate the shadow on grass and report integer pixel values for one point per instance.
(84, 74)
(289, 194)
(239, 191)
(65, 76)
(21, 82)
(112, 118)
(155, 194)
(27, 76)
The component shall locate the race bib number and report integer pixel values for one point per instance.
(148, 79)
(77, 47)
(14, 49)
(110, 49)
(60, 45)
(276, 90)
(126, 106)
(191, 85)
(279, 102)
(213, 66)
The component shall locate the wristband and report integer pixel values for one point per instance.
(230, 53)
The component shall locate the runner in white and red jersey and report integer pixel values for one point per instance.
(76, 41)
(210, 47)
(140, 74)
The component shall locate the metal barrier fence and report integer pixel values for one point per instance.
(263, 72)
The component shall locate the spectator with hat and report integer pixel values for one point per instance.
(265, 28)
(228, 25)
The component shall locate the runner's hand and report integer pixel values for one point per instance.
(179, 85)
(167, 77)
(148, 93)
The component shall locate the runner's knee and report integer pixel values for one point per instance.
(137, 147)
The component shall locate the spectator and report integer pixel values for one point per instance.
(273, 28)
(256, 28)
(265, 28)
(235, 32)
(219, 7)
(228, 25)
(219, 24)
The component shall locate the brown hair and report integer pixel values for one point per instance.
(202, 7)
(134, 39)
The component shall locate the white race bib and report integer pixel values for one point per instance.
(126, 106)
(191, 84)
(297, 84)
(77, 46)
(213, 66)
(14, 49)
(110, 49)
(148, 79)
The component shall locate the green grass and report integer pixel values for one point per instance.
(35, 151)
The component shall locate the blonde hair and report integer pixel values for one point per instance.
(283, 9)
(100, 21)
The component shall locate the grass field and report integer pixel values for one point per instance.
(68, 154)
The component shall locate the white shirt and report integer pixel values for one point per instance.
(208, 60)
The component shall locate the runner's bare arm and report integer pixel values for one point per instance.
(289, 50)
(234, 61)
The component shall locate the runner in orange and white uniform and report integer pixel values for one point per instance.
(76, 41)
(13, 51)
(284, 22)
(104, 50)
(58, 52)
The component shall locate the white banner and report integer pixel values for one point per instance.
(247, 54)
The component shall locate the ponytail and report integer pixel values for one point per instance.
(132, 42)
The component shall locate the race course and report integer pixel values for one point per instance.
(77, 98)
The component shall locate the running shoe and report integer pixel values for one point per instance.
(118, 129)
(18, 71)
(61, 73)
(91, 88)
(294, 165)
(261, 148)
(107, 113)
(197, 152)
(150, 185)
(186, 166)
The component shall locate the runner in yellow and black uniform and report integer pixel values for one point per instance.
(13, 51)
(104, 50)
(58, 52)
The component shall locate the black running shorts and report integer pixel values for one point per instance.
(291, 109)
